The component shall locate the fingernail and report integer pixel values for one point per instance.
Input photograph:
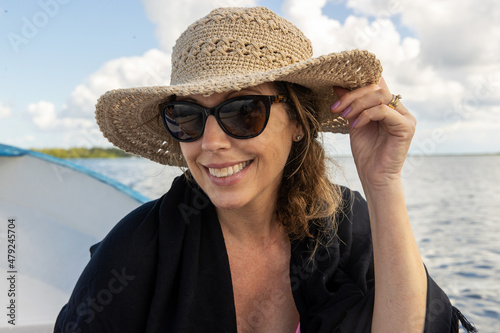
(346, 111)
(354, 123)
(335, 105)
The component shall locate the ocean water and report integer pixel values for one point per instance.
(453, 203)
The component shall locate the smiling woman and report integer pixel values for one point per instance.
(264, 156)
(253, 237)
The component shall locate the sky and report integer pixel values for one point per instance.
(58, 56)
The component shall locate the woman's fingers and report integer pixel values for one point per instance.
(381, 113)
(340, 91)
(383, 84)
(348, 97)
(353, 103)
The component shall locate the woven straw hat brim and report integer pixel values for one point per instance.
(129, 118)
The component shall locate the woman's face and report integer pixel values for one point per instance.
(238, 173)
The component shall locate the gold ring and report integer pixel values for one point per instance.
(395, 101)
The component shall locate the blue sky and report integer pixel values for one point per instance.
(75, 42)
(58, 56)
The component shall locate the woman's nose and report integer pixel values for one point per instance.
(214, 137)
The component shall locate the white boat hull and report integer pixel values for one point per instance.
(59, 210)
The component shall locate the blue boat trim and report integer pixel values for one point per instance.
(6, 150)
(11, 151)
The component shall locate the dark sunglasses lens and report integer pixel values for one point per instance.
(185, 122)
(243, 118)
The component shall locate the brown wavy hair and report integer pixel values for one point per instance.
(307, 201)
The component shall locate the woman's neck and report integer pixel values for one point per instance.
(257, 227)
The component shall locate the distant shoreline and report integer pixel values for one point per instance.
(83, 152)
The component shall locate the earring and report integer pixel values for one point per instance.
(298, 137)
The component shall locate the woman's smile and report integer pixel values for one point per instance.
(228, 173)
(223, 172)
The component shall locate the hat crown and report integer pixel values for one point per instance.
(232, 41)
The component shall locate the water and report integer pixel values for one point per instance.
(454, 206)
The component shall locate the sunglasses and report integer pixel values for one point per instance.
(241, 117)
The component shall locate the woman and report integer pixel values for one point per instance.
(253, 238)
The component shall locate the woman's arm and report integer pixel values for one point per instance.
(400, 279)
(380, 139)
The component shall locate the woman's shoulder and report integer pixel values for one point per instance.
(350, 240)
(344, 237)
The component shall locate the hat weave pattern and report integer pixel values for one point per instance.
(232, 49)
(229, 43)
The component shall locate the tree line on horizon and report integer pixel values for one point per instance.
(83, 152)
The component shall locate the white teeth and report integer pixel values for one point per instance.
(229, 171)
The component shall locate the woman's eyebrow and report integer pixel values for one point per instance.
(186, 99)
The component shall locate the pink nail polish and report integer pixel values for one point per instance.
(354, 123)
(335, 105)
(346, 111)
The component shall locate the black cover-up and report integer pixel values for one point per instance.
(164, 268)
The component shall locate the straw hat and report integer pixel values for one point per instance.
(232, 49)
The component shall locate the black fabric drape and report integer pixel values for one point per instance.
(164, 268)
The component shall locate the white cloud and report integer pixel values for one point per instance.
(328, 35)
(379, 8)
(44, 116)
(406, 62)
(453, 33)
(173, 18)
(77, 115)
(379, 36)
(456, 34)
(323, 32)
(5, 111)
(152, 68)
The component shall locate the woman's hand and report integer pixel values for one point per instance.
(380, 139)
(380, 135)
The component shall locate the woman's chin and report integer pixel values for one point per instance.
(231, 203)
